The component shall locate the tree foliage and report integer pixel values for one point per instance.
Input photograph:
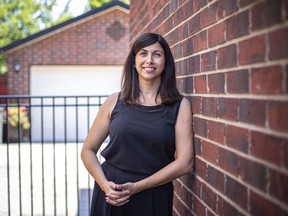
(99, 3)
(21, 18)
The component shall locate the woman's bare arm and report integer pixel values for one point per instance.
(96, 136)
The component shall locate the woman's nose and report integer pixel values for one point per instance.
(149, 59)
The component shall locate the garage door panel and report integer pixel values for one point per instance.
(68, 81)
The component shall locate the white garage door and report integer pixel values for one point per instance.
(68, 81)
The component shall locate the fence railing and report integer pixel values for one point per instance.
(40, 168)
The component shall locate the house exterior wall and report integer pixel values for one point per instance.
(87, 43)
(231, 60)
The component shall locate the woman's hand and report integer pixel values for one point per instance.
(116, 196)
(129, 188)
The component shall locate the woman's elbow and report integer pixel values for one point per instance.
(188, 168)
(82, 154)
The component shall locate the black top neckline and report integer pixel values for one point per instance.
(148, 108)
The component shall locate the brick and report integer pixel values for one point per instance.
(188, 85)
(209, 212)
(188, 8)
(261, 80)
(180, 84)
(278, 115)
(278, 185)
(226, 7)
(201, 168)
(196, 186)
(208, 16)
(285, 153)
(188, 47)
(183, 31)
(182, 209)
(236, 192)
(194, 64)
(237, 82)
(182, 67)
(197, 105)
(227, 57)
(200, 127)
(178, 50)
(209, 197)
(286, 16)
(216, 83)
(253, 173)
(228, 161)
(179, 15)
(209, 152)
(252, 111)
(209, 106)
(225, 209)
(216, 131)
(237, 25)
(265, 14)
(167, 26)
(197, 4)
(259, 205)
(194, 25)
(286, 81)
(215, 178)
(183, 194)
(266, 147)
(200, 85)
(200, 41)
(177, 68)
(173, 5)
(216, 34)
(252, 50)
(278, 45)
(237, 138)
(208, 61)
(188, 180)
(177, 187)
(243, 3)
(199, 208)
(228, 108)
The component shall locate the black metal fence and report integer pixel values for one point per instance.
(40, 168)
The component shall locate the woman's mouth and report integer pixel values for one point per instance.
(149, 69)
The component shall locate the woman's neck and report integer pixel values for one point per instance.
(149, 94)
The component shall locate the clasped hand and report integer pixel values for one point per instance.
(119, 194)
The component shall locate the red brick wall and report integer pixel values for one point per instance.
(232, 62)
(84, 44)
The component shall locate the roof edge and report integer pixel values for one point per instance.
(63, 24)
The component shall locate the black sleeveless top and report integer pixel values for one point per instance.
(142, 138)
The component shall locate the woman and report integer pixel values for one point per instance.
(150, 129)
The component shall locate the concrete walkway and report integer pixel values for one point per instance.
(63, 183)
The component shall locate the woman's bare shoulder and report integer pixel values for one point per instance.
(110, 102)
(185, 107)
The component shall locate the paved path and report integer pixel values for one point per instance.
(41, 195)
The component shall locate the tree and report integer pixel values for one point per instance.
(21, 18)
(99, 3)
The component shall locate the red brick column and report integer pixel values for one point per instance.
(232, 62)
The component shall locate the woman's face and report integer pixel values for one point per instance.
(150, 62)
